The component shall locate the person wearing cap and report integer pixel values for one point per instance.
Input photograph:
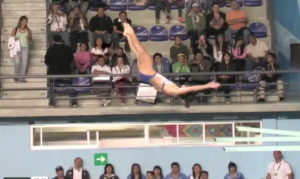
(77, 172)
(60, 173)
(181, 65)
(195, 23)
(58, 59)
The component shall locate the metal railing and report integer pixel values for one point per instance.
(241, 91)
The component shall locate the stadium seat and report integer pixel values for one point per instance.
(151, 7)
(94, 4)
(117, 5)
(228, 3)
(259, 29)
(177, 30)
(253, 3)
(82, 82)
(141, 33)
(158, 33)
(133, 7)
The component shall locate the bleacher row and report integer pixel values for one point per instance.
(122, 5)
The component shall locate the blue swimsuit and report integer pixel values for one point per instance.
(147, 78)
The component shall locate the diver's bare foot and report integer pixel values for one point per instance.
(127, 29)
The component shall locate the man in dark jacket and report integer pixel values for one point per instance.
(100, 25)
(78, 172)
(58, 58)
(60, 173)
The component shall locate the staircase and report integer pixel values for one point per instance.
(36, 11)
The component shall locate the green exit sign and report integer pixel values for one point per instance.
(100, 159)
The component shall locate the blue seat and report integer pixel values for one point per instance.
(133, 7)
(151, 7)
(177, 30)
(158, 33)
(228, 3)
(259, 29)
(248, 86)
(94, 4)
(253, 3)
(141, 33)
(82, 82)
(117, 5)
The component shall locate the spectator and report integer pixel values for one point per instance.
(158, 174)
(77, 172)
(239, 54)
(176, 172)
(60, 173)
(197, 169)
(109, 172)
(83, 4)
(166, 4)
(204, 46)
(160, 65)
(226, 65)
(23, 34)
(216, 22)
(58, 22)
(102, 84)
(82, 60)
(189, 5)
(236, 19)
(181, 65)
(204, 175)
(150, 175)
(195, 23)
(58, 58)
(123, 80)
(119, 29)
(201, 64)
(270, 65)
(99, 49)
(220, 48)
(257, 52)
(178, 48)
(100, 26)
(233, 173)
(136, 172)
(119, 53)
(279, 168)
(78, 26)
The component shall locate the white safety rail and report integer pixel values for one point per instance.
(136, 135)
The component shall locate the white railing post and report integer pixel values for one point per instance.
(97, 138)
(177, 133)
(41, 136)
(146, 134)
(88, 137)
(203, 133)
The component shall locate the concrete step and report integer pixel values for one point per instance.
(254, 13)
(14, 6)
(24, 103)
(33, 54)
(14, 85)
(36, 38)
(22, 1)
(34, 45)
(32, 62)
(35, 30)
(34, 22)
(29, 80)
(23, 94)
(31, 14)
(32, 70)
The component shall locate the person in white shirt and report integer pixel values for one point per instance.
(77, 172)
(58, 24)
(123, 80)
(220, 48)
(103, 81)
(257, 52)
(99, 49)
(279, 169)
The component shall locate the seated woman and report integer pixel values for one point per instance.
(178, 48)
(216, 22)
(119, 52)
(82, 60)
(99, 49)
(204, 45)
(239, 53)
(227, 65)
(150, 76)
(102, 81)
(123, 80)
(220, 48)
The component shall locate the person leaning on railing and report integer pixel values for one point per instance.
(272, 66)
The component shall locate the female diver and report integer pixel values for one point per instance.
(150, 76)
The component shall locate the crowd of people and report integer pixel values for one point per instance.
(99, 50)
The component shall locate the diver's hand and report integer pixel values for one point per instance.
(213, 85)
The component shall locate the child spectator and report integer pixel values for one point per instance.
(82, 60)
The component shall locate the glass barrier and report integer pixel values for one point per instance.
(84, 91)
(79, 136)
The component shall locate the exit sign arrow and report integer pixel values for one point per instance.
(100, 159)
